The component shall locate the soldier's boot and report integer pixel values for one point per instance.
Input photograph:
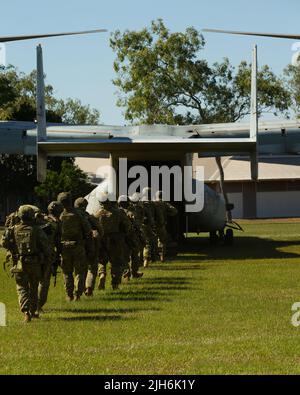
(101, 285)
(161, 256)
(69, 298)
(115, 281)
(89, 292)
(77, 298)
(137, 275)
(35, 315)
(127, 275)
(27, 317)
(146, 262)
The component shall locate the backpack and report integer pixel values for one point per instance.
(71, 229)
(25, 240)
(109, 220)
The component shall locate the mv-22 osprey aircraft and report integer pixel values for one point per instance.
(158, 145)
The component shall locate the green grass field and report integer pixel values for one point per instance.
(211, 311)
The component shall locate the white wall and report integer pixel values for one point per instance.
(278, 204)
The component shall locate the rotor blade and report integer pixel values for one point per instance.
(33, 36)
(275, 35)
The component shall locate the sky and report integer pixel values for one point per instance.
(82, 66)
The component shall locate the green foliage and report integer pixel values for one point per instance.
(161, 78)
(18, 174)
(18, 101)
(70, 178)
(292, 74)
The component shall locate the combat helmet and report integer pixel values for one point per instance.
(65, 198)
(81, 202)
(135, 198)
(123, 201)
(55, 208)
(26, 213)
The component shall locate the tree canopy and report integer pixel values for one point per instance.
(292, 74)
(161, 78)
(70, 178)
(18, 101)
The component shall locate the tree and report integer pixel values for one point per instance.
(18, 101)
(162, 79)
(69, 179)
(292, 74)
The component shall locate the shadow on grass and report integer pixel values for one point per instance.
(132, 297)
(243, 248)
(93, 318)
(118, 310)
(168, 280)
(182, 267)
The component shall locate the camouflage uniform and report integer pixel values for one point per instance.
(30, 245)
(95, 247)
(133, 238)
(75, 231)
(163, 211)
(150, 250)
(115, 226)
(51, 226)
(11, 220)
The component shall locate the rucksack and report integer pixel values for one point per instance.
(25, 240)
(71, 229)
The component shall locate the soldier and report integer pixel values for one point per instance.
(12, 219)
(30, 245)
(163, 211)
(97, 235)
(51, 226)
(137, 209)
(75, 231)
(115, 227)
(150, 250)
(133, 239)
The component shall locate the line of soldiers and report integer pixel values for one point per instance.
(127, 234)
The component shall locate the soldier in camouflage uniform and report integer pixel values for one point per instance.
(30, 246)
(136, 206)
(115, 226)
(51, 226)
(134, 236)
(150, 250)
(12, 219)
(75, 231)
(96, 240)
(163, 211)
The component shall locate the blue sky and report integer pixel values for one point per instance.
(82, 66)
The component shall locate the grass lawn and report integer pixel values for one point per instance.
(211, 311)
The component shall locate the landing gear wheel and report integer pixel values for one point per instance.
(229, 237)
